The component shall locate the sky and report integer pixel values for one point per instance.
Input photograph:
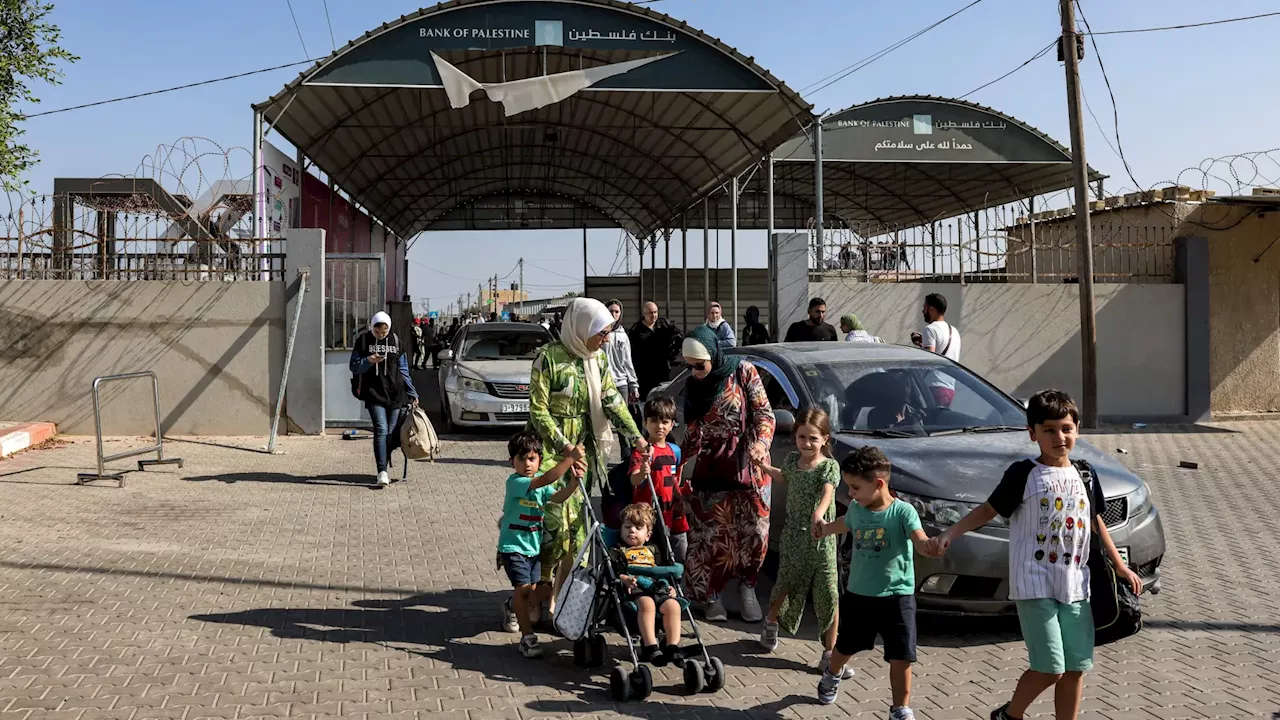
(1183, 96)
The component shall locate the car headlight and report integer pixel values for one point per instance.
(945, 513)
(1140, 500)
(469, 382)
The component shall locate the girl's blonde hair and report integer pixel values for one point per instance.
(818, 418)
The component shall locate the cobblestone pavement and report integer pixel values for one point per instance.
(248, 585)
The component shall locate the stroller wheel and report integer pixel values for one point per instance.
(694, 678)
(598, 651)
(581, 648)
(641, 682)
(619, 684)
(715, 675)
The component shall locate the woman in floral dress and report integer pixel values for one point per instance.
(728, 422)
(572, 400)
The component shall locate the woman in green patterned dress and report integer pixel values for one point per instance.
(572, 400)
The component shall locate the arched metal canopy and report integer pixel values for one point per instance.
(424, 119)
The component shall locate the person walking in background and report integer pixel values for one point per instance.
(723, 330)
(654, 343)
(729, 426)
(813, 327)
(754, 332)
(618, 349)
(430, 338)
(381, 381)
(941, 338)
(419, 346)
(853, 331)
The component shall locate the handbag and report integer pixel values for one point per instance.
(726, 467)
(1117, 611)
(575, 604)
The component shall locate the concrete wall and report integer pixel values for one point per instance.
(1025, 338)
(305, 393)
(217, 348)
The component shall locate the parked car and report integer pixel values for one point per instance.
(946, 460)
(484, 374)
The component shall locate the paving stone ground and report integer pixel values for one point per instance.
(246, 585)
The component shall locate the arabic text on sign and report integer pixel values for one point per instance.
(622, 35)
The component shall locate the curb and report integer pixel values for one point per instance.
(21, 437)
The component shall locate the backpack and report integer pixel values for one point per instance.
(357, 379)
(1117, 611)
(418, 438)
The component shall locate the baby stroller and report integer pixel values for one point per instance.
(593, 598)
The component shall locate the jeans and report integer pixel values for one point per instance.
(385, 437)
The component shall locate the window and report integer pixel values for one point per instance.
(781, 396)
(503, 344)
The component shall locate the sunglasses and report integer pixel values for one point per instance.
(697, 366)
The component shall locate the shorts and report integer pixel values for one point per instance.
(892, 617)
(521, 569)
(1059, 636)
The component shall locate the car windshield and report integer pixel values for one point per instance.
(518, 344)
(910, 398)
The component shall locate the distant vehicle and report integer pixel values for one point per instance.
(946, 461)
(484, 375)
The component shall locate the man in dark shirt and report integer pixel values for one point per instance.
(654, 342)
(815, 327)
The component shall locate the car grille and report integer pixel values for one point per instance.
(1148, 569)
(1117, 511)
(515, 391)
(511, 417)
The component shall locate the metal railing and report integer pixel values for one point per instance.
(158, 448)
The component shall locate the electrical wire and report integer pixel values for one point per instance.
(553, 272)
(329, 22)
(851, 69)
(1184, 27)
(297, 27)
(169, 90)
(1028, 61)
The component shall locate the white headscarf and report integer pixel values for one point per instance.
(583, 318)
(379, 318)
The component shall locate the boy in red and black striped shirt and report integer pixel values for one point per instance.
(663, 461)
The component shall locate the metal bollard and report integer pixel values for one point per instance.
(158, 448)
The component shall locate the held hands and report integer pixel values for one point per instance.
(642, 445)
(575, 452)
(817, 527)
(759, 454)
(579, 469)
(937, 546)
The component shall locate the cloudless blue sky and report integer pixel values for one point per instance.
(1183, 95)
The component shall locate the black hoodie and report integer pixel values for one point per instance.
(381, 384)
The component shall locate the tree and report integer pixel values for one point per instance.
(29, 51)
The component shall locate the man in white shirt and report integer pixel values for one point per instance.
(941, 338)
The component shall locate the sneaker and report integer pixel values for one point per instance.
(383, 479)
(828, 688)
(751, 605)
(529, 646)
(714, 611)
(509, 622)
(825, 664)
(1001, 713)
(902, 713)
(769, 636)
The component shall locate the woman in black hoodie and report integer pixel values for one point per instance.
(381, 381)
(755, 332)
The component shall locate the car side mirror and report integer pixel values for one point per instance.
(784, 422)
(659, 390)
(1024, 402)
(446, 354)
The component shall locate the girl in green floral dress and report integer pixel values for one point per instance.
(806, 565)
(572, 400)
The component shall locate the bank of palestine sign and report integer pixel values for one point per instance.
(406, 56)
(917, 130)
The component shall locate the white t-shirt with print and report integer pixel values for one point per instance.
(1049, 528)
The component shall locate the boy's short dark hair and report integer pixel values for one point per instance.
(815, 302)
(1051, 405)
(638, 515)
(937, 302)
(523, 443)
(660, 408)
(867, 462)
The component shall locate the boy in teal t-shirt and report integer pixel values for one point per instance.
(520, 529)
(880, 599)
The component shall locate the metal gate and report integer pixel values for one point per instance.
(355, 289)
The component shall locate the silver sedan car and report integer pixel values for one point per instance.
(484, 375)
(946, 460)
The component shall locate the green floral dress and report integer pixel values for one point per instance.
(559, 414)
(807, 565)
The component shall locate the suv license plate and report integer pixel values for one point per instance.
(1124, 554)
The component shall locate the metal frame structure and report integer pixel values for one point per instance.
(158, 448)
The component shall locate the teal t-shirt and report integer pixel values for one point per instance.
(882, 563)
(520, 530)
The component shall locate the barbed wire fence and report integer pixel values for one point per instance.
(186, 213)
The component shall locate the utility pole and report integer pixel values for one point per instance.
(1084, 240)
(522, 277)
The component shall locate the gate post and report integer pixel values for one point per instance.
(304, 391)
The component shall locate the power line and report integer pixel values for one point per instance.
(329, 22)
(169, 90)
(1029, 60)
(1115, 111)
(297, 27)
(1184, 27)
(553, 272)
(851, 69)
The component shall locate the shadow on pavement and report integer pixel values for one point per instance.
(256, 449)
(1160, 430)
(194, 577)
(268, 477)
(1210, 625)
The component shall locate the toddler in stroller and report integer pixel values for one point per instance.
(652, 593)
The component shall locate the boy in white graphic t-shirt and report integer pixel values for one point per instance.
(1051, 516)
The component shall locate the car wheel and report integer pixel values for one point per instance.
(446, 423)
